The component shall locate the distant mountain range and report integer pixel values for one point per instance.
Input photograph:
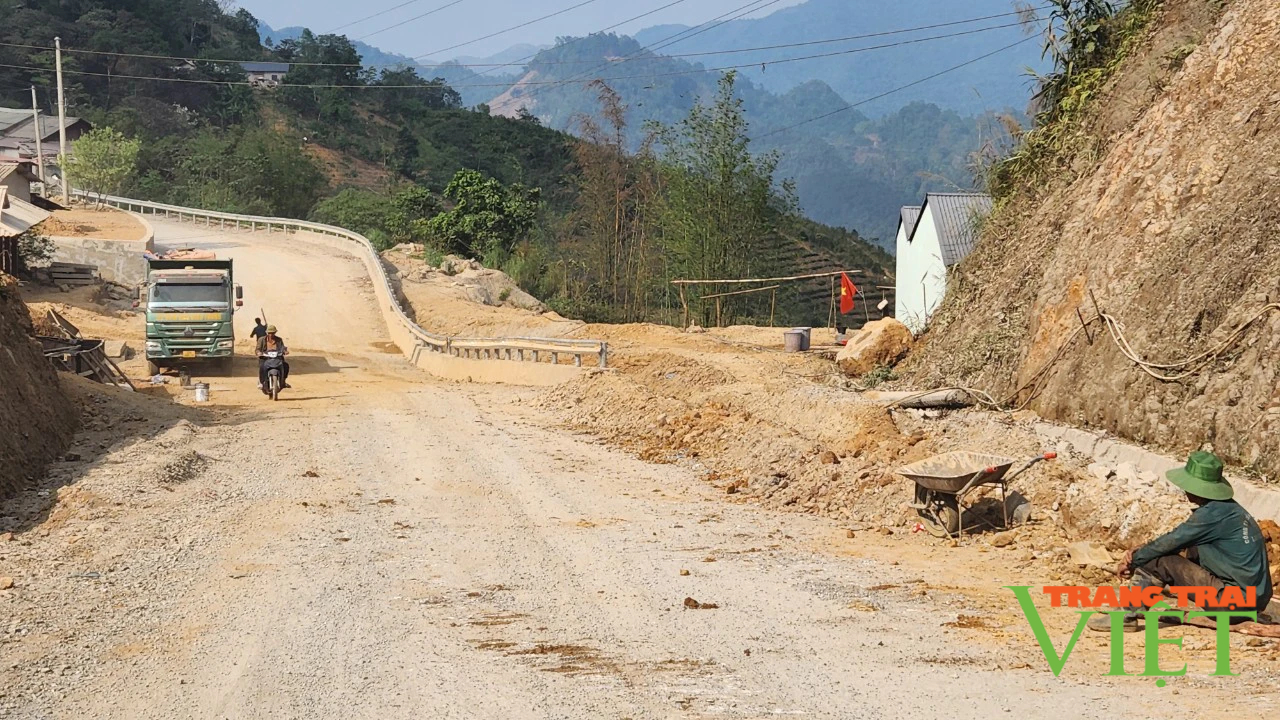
(851, 169)
(996, 83)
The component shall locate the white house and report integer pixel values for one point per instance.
(932, 238)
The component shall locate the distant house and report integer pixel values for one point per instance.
(932, 238)
(16, 178)
(18, 130)
(265, 74)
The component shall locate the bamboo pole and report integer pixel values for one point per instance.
(831, 315)
(761, 280)
(741, 292)
(773, 302)
(684, 304)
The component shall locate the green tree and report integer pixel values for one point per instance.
(408, 219)
(614, 215)
(406, 152)
(102, 160)
(356, 210)
(487, 218)
(722, 207)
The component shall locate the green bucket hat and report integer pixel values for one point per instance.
(1202, 477)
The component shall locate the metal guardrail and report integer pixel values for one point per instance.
(516, 349)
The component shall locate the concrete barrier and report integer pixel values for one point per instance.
(511, 360)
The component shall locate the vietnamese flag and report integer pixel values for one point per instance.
(847, 291)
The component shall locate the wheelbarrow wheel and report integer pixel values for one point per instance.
(941, 515)
(948, 516)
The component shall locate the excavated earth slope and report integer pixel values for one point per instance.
(1174, 232)
(36, 418)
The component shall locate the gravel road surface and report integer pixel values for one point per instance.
(379, 545)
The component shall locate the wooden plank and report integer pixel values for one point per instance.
(120, 373)
(55, 318)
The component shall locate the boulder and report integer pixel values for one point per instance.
(878, 344)
(117, 349)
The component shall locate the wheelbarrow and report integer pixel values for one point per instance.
(943, 481)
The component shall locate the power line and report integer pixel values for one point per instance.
(900, 88)
(748, 8)
(415, 18)
(864, 36)
(380, 13)
(574, 41)
(704, 53)
(687, 34)
(507, 30)
(570, 81)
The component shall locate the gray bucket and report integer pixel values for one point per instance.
(793, 341)
(806, 334)
(202, 392)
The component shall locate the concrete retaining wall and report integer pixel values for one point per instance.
(118, 261)
(1263, 502)
(447, 367)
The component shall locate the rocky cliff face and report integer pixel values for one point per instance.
(1172, 226)
(36, 418)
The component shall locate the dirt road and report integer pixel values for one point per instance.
(378, 545)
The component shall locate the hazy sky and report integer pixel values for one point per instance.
(471, 19)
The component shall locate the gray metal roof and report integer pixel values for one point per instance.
(18, 216)
(10, 117)
(270, 67)
(19, 124)
(956, 217)
(908, 217)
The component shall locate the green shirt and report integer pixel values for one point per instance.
(1229, 542)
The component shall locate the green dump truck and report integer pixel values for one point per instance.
(189, 306)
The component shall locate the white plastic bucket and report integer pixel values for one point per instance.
(202, 392)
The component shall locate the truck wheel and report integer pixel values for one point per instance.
(152, 369)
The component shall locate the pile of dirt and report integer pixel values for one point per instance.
(466, 298)
(1170, 226)
(37, 419)
(782, 429)
(106, 223)
(755, 427)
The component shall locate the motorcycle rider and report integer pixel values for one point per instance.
(271, 342)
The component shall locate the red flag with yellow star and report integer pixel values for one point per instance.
(847, 291)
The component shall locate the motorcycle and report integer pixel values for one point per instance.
(274, 362)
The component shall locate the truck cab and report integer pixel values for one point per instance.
(189, 309)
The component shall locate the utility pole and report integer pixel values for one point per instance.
(62, 125)
(35, 113)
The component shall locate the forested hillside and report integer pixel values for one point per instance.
(393, 154)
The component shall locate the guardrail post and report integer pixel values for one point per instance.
(604, 354)
(577, 359)
(555, 358)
